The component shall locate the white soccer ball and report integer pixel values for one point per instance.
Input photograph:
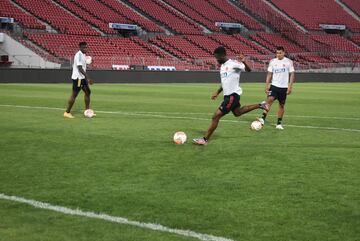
(256, 125)
(89, 113)
(88, 60)
(180, 137)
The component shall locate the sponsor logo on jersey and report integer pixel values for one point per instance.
(281, 70)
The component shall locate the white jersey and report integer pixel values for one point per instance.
(230, 76)
(280, 70)
(79, 59)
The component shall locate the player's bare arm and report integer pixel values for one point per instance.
(216, 93)
(81, 70)
(267, 82)
(243, 60)
(292, 79)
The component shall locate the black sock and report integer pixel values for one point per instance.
(205, 139)
(279, 121)
(264, 115)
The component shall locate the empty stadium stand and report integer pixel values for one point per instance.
(336, 42)
(182, 33)
(61, 20)
(134, 17)
(354, 5)
(8, 9)
(327, 12)
(167, 16)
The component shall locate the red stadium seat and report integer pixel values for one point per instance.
(8, 9)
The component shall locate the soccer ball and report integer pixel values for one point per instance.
(180, 137)
(88, 60)
(256, 125)
(89, 113)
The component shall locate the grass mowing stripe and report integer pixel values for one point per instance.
(148, 114)
(114, 219)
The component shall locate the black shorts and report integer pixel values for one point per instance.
(79, 84)
(278, 93)
(230, 103)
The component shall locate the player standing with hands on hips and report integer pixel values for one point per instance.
(279, 71)
(80, 80)
(230, 71)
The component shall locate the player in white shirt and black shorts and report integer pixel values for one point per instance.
(280, 71)
(80, 80)
(230, 71)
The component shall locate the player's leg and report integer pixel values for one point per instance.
(280, 113)
(272, 96)
(269, 101)
(213, 125)
(281, 110)
(72, 98)
(238, 111)
(87, 93)
(224, 108)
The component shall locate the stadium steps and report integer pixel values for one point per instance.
(283, 14)
(168, 30)
(203, 42)
(165, 15)
(248, 11)
(263, 25)
(95, 12)
(57, 17)
(194, 14)
(252, 44)
(236, 14)
(47, 26)
(130, 13)
(313, 13)
(163, 50)
(152, 48)
(205, 29)
(348, 10)
(146, 16)
(354, 5)
(39, 50)
(82, 15)
(356, 39)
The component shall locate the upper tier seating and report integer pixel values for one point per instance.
(353, 5)
(135, 17)
(8, 9)
(57, 17)
(312, 13)
(167, 16)
(86, 16)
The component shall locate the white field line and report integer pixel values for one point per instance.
(114, 219)
(153, 114)
(193, 113)
(287, 116)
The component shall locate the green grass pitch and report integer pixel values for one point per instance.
(302, 183)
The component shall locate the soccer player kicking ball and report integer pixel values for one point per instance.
(230, 76)
(80, 80)
(278, 71)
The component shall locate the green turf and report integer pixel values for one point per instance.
(298, 184)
